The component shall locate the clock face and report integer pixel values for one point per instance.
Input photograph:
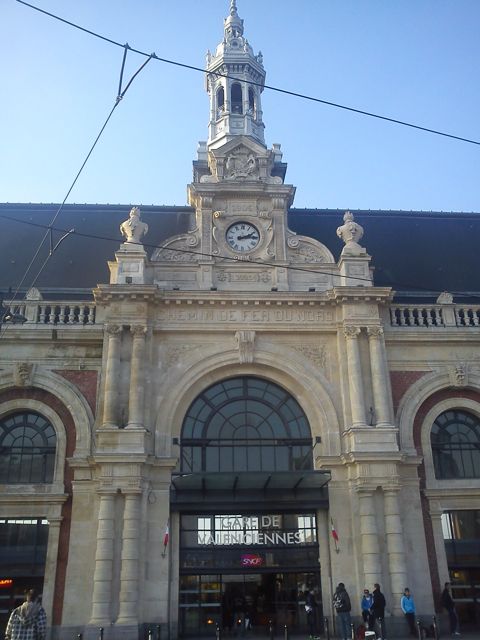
(242, 236)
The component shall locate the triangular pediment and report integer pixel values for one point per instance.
(239, 144)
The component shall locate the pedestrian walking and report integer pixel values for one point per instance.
(449, 605)
(408, 607)
(366, 605)
(378, 610)
(311, 610)
(342, 606)
(28, 621)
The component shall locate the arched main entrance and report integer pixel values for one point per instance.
(247, 495)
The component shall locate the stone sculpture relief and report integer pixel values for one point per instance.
(351, 232)
(33, 294)
(133, 229)
(241, 165)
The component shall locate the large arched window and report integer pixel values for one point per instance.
(245, 424)
(455, 439)
(27, 448)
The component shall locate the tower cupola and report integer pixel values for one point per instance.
(234, 81)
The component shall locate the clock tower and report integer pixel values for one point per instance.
(239, 238)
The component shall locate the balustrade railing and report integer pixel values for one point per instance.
(50, 313)
(436, 315)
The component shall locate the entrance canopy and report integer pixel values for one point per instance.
(257, 489)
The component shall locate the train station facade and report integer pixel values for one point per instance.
(235, 417)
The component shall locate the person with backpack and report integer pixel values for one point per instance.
(342, 606)
(378, 610)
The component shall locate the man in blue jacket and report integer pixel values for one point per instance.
(408, 607)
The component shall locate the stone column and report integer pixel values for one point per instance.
(128, 613)
(103, 573)
(357, 396)
(395, 546)
(372, 567)
(112, 372)
(379, 376)
(136, 400)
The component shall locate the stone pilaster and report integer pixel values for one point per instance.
(379, 375)
(112, 372)
(51, 564)
(372, 567)
(357, 396)
(395, 546)
(128, 613)
(136, 401)
(103, 572)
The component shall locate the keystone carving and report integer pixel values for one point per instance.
(246, 346)
(459, 375)
(23, 374)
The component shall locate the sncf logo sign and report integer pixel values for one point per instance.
(251, 560)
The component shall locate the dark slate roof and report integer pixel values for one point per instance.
(417, 253)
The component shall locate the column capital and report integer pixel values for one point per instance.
(351, 331)
(391, 489)
(375, 332)
(138, 330)
(113, 329)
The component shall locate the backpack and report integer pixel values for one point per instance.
(338, 602)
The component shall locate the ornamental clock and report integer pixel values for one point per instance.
(242, 236)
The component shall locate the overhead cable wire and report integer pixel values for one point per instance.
(50, 228)
(295, 94)
(92, 236)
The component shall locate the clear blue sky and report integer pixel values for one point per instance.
(415, 60)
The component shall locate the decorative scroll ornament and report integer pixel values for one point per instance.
(246, 346)
(350, 232)
(23, 374)
(133, 229)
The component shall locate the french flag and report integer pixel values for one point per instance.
(166, 534)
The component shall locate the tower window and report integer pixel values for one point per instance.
(251, 100)
(237, 98)
(220, 100)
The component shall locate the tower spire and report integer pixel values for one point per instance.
(235, 100)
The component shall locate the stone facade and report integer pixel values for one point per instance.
(205, 308)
